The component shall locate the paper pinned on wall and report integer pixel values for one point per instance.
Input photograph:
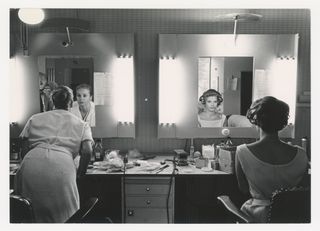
(261, 84)
(102, 88)
(233, 83)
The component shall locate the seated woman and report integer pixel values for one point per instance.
(84, 108)
(47, 175)
(268, 164)
(210, 113)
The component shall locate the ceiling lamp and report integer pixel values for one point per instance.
(236, 17)
(31, 15)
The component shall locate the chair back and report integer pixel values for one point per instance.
(83, 214)
(290, 205)
(20, 210)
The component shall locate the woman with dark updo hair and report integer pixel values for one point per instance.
(210, 114)
(47, 175)
(268, 164)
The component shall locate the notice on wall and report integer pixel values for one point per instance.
(103, 85)
(233, 83)
(260, 84)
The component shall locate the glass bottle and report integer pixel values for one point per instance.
(98, 150)
(191, 151)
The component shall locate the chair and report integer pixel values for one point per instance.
(21, 211)
(290, 205)
(81, 216)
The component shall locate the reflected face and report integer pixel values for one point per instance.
(83, 96)
(211, 103)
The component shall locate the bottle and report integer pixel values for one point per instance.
(191, 151)
(305, 146)
(98, 150)
(304, 143)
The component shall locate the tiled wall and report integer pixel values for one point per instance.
(148, 23)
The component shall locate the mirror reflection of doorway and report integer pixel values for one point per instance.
(246, 91)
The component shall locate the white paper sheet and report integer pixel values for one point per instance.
(261, 84)
(103, 85)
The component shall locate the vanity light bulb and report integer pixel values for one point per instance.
(225, 132)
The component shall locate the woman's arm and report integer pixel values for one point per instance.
(242, 180)
(85, 154)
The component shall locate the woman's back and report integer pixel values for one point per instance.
(273, 152)
(57, 127)
(270, 168)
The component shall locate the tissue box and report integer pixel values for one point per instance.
(226, 160)
(208, 151)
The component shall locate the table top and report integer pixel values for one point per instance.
(158, 165)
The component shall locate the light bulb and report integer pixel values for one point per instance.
(31, 15)
(225, 132)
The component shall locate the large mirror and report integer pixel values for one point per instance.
(102, 63)
(231, 73)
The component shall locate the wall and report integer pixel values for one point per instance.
(234, 67)
(148, 23)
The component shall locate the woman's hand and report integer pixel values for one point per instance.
(85, 154)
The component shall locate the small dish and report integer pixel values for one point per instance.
(206, 169)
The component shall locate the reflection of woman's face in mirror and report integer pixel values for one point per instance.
(211, 103)
(83, 96)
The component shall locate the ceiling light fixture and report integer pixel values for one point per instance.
(236, 17)
(31, 15)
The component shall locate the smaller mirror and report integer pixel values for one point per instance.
(224, 91)
(74, 72)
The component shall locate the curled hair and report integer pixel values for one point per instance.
(51, 85)
(208, 93)
(62, 98)
(84, 86)
(269, 113)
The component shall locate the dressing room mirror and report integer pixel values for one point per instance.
(239, 71)
(102, 61)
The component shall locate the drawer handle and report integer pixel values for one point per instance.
(148, 202)
(147, 189)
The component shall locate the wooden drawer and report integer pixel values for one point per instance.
(149, 215)
(146, 199)
(146, 180)
(149, 201)
(147, 189)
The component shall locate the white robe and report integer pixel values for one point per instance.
(47, 175)
(90, 117)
